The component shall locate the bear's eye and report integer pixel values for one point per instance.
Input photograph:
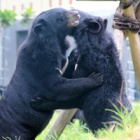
(60, 18)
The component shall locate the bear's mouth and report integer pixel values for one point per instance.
(73, 18)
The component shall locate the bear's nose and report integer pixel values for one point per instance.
(75, 12)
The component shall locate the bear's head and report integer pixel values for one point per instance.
(95, 25)
(57, 22)
(92, 30)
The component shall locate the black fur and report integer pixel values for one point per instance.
(80, 116)
(99, 54)
(36, 73)
(96, 52)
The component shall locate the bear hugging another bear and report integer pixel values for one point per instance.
(36, 73)
(96, 52)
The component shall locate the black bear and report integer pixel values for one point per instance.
(39, 59)
(96, 52)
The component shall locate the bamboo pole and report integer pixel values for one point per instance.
(134, 44)
(59, 125)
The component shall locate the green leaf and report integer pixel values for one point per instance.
(7, 17)
(27, 15)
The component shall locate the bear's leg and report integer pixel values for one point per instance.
(42, 104)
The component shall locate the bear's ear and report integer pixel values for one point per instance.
(38, 28)
(105, 23)
(93, 25)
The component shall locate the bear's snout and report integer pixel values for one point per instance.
(73, 18)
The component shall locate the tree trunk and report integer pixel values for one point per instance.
(134, 44)
(59, 125)
(137, 12)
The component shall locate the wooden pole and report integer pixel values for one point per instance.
(134, 43)
(59, 125)
(137, 10)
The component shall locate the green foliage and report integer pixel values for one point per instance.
(129, 130)
(123, 118)
(7, 18)
(126, 123)
(27, 15)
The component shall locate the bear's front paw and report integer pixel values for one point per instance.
(97, 77)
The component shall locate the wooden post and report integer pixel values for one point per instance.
(137, 10)
(134, 43)
(61, 122)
